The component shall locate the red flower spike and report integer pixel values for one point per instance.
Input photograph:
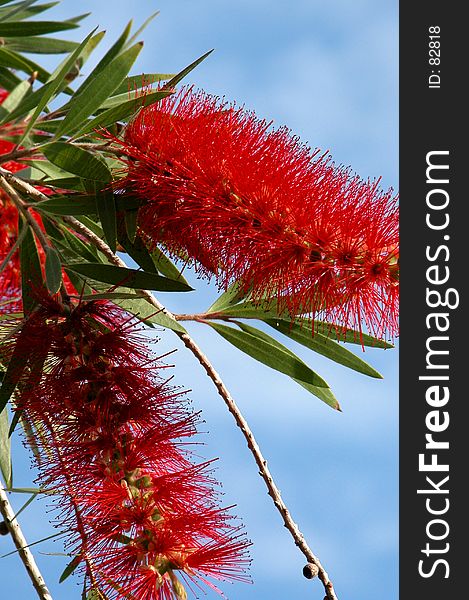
(251, 204)
(139, 511)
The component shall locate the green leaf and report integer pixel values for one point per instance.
(14, 98)
(106, 208)
(29, 103)
(177, 78)
(231, 297)
(30, 28)
(130, 218)
(24, 13)
(25, 505)
(57, 83)
(323, 393)
(113, 51)
(12, 375)
(68, 205)
(5, 448)
(142, 27)
(8, 80)
(319, 343)
(16, 490)
(15, 61)
(46, 168)
(6, 14)
(79, 18)
(40, 45)
(49, 537)
(14, 422)
(82, 105)
(31, 274)
(112, 296)
(247, 310)
(122, 112)
(269, 352)
(80, 248)
(53, 270)
(70, 568)
(334, 331)
(131, 278)
(148, 313)
(134, 82)
(139, 253)
(78, 161)
(166, 267)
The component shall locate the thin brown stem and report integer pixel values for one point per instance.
(23, 209)
(21, 544)
(229, 401)
(19, 153)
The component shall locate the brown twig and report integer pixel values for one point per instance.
(22, 546)
(241, 422)
(23, 209)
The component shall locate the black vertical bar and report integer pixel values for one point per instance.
(434, 429)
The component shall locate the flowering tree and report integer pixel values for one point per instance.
(125, 170)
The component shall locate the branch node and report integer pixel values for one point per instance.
(310, 571)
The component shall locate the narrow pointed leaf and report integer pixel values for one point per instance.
(130, 219)
(106, 208)
(331, 349)
(84, 104)
(79, 18)
(248, 310)
(31, 273)
(134, 82)
(56, 85)
(166, 267)
(128, 277)
(142, 28)
(113, 51)
(122, 112)
(81, 249)
(72, 206)
(40, 45)
(269, 352)
(53, 270)
(29, 28)
(147, 313)
(46, 168)
(20, 490)
(333, 331)
(12, 375)
(14, 98)
(5, 448)
(8, 80)
(7, 14)
(231, 297)
(26, 504)
(177, 78)
(70, 568)
(78, 161)
(22, 13)
(15, 61)
(139, 253)
(323, 393)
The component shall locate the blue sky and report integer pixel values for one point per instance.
(328, 71)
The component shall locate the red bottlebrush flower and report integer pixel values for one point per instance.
(140, 513)
(251, 204)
